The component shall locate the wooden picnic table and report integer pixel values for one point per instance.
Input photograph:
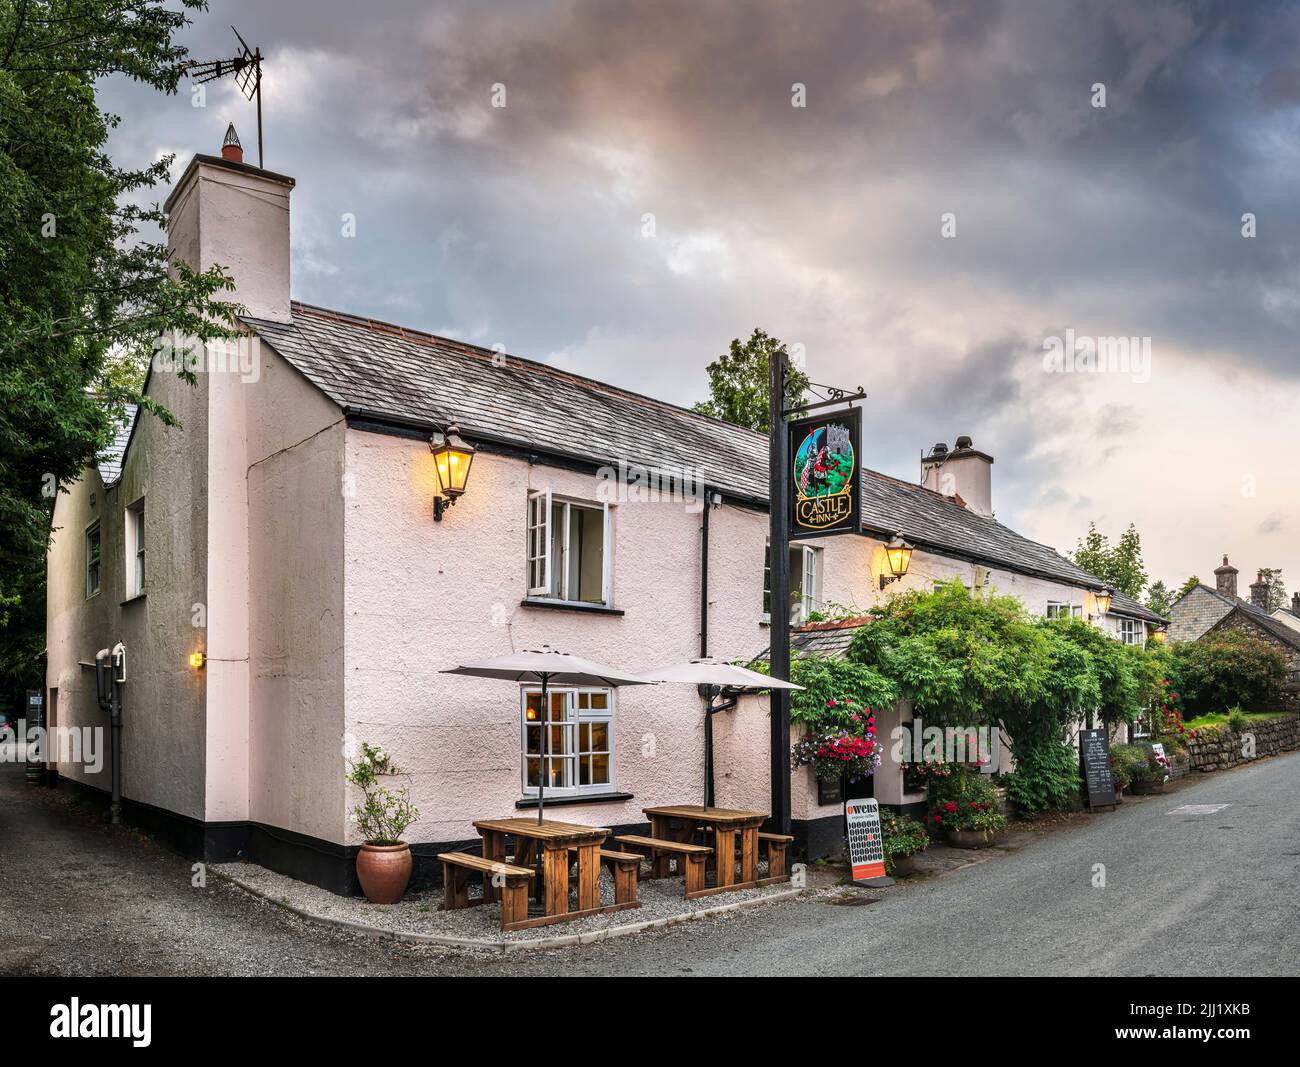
(679, 822)
(555, 839)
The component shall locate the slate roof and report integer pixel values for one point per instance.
(377, 370)
(110, 460)
(822, 639)
(1258, 615)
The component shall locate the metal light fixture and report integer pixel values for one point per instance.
(1104, 598)
(197, 660)
(451, 462)
(898, 553)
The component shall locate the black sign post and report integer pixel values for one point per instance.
(1094, 756)
(779, 538)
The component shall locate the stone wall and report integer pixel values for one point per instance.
(1216, 750)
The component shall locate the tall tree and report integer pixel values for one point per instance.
(79, 278)
(1159, 599)
(1119, 565)
(738, 382)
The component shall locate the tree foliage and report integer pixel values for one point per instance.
(1159, 599)
(1225, 669)
(1186, 588)
(83, 283)
(739, 383)
(1276, 587)
(1119, 565)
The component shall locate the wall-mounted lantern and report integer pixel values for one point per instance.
(898, 553)
(1158, 637)
(1104, 599)
(451, 462)
(197, 660)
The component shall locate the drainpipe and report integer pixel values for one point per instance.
(110, 674)
(711, 500)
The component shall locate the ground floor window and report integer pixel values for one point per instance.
(1131, 631)
(581, 751)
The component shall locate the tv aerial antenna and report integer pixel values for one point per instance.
(247, 69)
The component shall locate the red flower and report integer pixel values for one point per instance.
(950, 806)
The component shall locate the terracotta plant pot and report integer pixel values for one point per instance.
(384, 871)
(970, 838)
(904, 865)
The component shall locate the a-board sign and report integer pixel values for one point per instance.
(1159, 750)
(1094, 755)
(866, 849)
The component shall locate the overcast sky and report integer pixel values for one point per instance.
(824, 224)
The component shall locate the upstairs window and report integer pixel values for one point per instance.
(135, 549)
(92, 560)
(805, 578)
(568, 550)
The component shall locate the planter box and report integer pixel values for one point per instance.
(904, 865)
(971, 838)
(1146, 788)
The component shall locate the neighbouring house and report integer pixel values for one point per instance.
(1202, 612)
(285, 583)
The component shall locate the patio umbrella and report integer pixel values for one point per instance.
(715, 677)
(546, 667)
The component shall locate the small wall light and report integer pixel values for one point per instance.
(197, 660)
(898, 553)
(1104, 599)
(1158, 637)
(451, 462)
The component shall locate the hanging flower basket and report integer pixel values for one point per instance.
(842, 744)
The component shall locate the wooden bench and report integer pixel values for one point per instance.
(625, 868)
(777, 847)
(691, 857)
(456, 868)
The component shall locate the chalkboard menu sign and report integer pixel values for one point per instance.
(1094, 754)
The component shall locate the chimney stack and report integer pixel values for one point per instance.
(231, 149)
(224, 211)
(1225, 579)
(964, 472)
(1259, 592)
(1295, 604)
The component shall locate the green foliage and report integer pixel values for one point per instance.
(739, 384)
(383, 814)
(82, 290)
(1237, 719)
(825, 680)
(1120, 565)
(1159, 599)
(1046, 778)
(902, 835)
(1130, 763)
(967, 800)
(1186, 588)
(1227, 669)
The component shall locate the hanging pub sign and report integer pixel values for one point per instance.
(824, 460)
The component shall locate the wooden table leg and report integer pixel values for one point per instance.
(526, 856)
(660, 829)
(588, 877)
(494, 848)
(556, 867)
(749, 854)
(724, 847)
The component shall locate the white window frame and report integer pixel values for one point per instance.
(810, 576)
(574, 718)
(539, 532)
(1060, 609)
(94, 528)
(135, 544)
(1130, 628)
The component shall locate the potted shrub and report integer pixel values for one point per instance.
(1148, 774)
(904, 838)
(968, 810)
(384, 862)
(1119, 772)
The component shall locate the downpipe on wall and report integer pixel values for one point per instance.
(110, 676)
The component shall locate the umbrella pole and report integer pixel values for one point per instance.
(546, 751)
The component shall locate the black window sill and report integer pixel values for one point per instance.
(568, 605)
(590, 798)
(133, 599)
